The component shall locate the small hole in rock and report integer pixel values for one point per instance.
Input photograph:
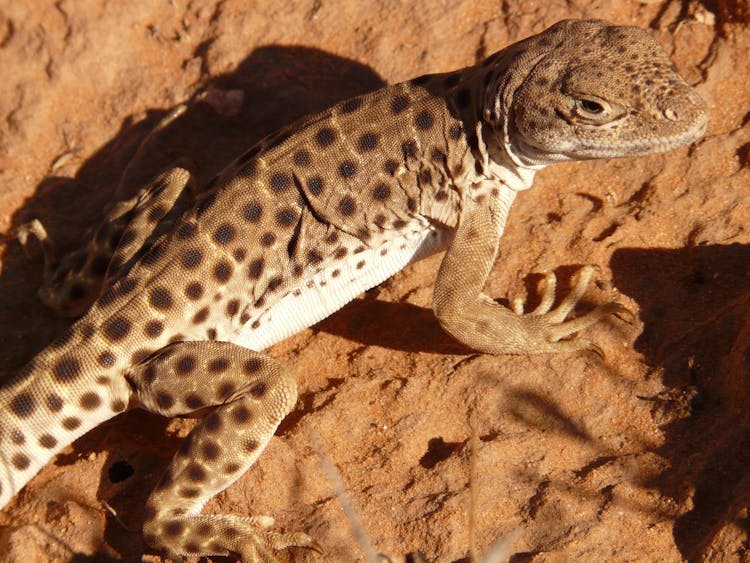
(119, 471)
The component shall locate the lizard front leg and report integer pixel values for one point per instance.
(477, 321)
(251, 393)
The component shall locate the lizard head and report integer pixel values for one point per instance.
(589, 89)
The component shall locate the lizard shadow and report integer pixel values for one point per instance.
(694, 303)
(396, 326)
(279, 84)
(405, 327)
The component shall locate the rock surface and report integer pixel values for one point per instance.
(641, 456)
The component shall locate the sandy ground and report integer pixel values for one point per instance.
(640, 456)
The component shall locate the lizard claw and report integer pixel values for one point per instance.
(622, 313)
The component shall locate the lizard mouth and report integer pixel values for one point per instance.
(642, 146)
(593, 148)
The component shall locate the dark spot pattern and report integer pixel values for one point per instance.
(67, 369)
(23, 405)
(399, 104)
(347, 169)
(255, 269)
(218, 365)
(161, 298)
(71, 423)
(381, 192)
(90, 401)
(106, 359)
(116, 328)
(252, 212)
(233, 307)
(47, 441)
(194, 290)
(302, 158)
(258, 390)
(437, 155)
(347, 206)
(200, 316)
(173, 528)
(154, 255)
(315, 185)
(185, 365)
(164, 400)
(222, 271)
(275, 282)
(153, 328)
(191, 258)
(241, 414)
(226, 389)
(224, 234)
(210, 450)
(196, 473)
(351, 106)
(191, 492)
(409, 148)
(54, 402)
(424, 120)
(20, 461)
(194, 402)
(286, 217)
(367, 141)
(280, 182)
(325, 137)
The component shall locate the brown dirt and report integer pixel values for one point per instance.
(641, 456)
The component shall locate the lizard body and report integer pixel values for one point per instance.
(301, 224)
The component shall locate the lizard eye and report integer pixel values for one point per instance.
(593, 110)
(590, 106)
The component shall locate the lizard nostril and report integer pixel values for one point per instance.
(670, 114)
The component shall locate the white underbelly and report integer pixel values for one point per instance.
(327, 291)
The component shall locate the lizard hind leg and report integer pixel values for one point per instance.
(251, 393)
(71, 284)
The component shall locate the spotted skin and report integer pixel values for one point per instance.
(303, 222)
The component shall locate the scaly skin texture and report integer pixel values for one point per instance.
(187, 293)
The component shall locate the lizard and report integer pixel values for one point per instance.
(183, 306)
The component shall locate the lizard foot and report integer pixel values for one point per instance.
(224, 535)
(550, 323)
